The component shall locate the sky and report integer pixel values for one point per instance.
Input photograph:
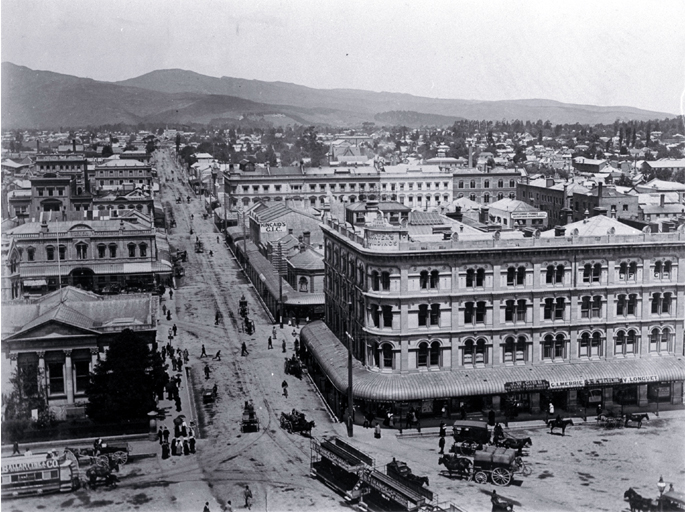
(606, 52)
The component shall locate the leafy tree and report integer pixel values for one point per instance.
(623, 181)
(107, 151)
(122, 387)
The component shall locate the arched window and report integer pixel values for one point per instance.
(620, 342)
(549, 275)
(596, 345)
(385, 281)
(470, 277)
(486, 184)
(63, 252)
(31, 253)
(585, 345)
(481, 352)
(500, 183)
(303, 284)
(467, 357)
(112, 250)
(435, 279)
(50, 253)
(480, 277)
(486, 198)
(665, 338)
(435, 355)
(102, 250)
(631, 340)
(131, 250)
(375, 280)
(423, 279)
(143, 250)
(500, 196)
(423, 355)
(473, 183)
(654, 339)
(472, 197)
(387, 358)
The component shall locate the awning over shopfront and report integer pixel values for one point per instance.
(331, 355)
(305, 299)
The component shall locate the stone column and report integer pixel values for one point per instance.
(535, 402)
(94, 351)
(608, 396)
(68, 377)
(572, 398)
(42, 374)
(642, 395)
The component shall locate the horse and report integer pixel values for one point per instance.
(637, 417)
(516, 443)
(637, 502)
(559, 423)
(453, 463)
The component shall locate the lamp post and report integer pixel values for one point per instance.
(661, 485)
(350, 395)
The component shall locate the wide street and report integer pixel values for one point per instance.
(587, 469)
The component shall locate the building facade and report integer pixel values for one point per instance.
(121, 175)
(485, 186)
(450, 321)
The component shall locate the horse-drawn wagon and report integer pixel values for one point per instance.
(469, 436)
(403, 474)
(108, 453)
(296, 422)
(490, 463)
(250, 421)
(293, 366)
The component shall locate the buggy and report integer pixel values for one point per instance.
(296, 422)
(109, 452)
(469, 436)
(292, 366)
(209, 395)
(490, 463)
(199, 246)
(250, 422)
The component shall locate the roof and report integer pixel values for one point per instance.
(305, 299)
(271, 212)
(384, 206)
(331, 355)
(662, 185)
(512, 205)
(426, 219)
(308, 259)
(599, 225)
(666, 163)
(666, 208)
(128, 162)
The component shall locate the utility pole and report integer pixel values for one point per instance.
(279, 269)
(350, 395)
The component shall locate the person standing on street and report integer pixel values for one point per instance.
(285, 388)
(175, 329)
(377, 431)
(206, 509)
(441, 445)
(244, 349)
(206, 372)
(248, 497)
(283, 345)
(270, 345)
(171, 294)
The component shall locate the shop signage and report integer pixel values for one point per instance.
(19, 465)
(273, 227)
(529, 215)
(567, 384)
(638, 379)
(382, 239)
(603, 381)
(526, 385)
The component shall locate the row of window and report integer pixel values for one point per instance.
(516, 276)
(515, 310)
(50, 191)
(131, 172)
(82, 251)
(486, 196)
(517, 349)
(121, 182)
(486, 184)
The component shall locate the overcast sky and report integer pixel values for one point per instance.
(602, 52)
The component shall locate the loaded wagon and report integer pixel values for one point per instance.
(114, 453)
(490, 463)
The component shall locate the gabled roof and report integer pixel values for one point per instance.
(599, 225)
(271, 212)
(426, 219)
(309, 259)
(512, 205)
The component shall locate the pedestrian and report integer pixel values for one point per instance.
(186, 447)
(550, 410)
(15, 448)
(175, 329)
(377, 431)
(217, 356)
(206, 509)
(273, 332)
(285, 388)
(168, 315)
(229, 507)
(270, 345)
(191, 437)
(244, 349)
(206, 372)
(171, 293)
(204, 352)
(443, 429)
(283, 345)
(462, 411)
(186, 356)
(166, 434)
(171, 333)
(164, 309)
(217, 239)
(160, 435)
(441, 445)
(165, 450)
(248, 497)
(491, 418)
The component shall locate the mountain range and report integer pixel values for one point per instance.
(45, 99)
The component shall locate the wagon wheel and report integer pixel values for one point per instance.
(480, 477)
(121, 457)
(501, 476)
(102, 461)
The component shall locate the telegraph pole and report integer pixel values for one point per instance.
(279, 255)
(350, 395)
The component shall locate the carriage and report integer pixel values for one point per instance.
(199, 246)
(110, 453)
(242, 306)
(293, 366)
(209, 395)
(490, 463)
(250, 421)
(516, 443)
(469, 436)
(403, 474)
(296, 422)
(610, 419)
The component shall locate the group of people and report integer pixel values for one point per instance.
(183, 442)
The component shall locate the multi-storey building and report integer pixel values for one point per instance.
(121, 175)
(551, 196)
(440, 316)
(91, 254)
(604, 199)
(485, 186)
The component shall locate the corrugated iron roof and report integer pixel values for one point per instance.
(374, 385)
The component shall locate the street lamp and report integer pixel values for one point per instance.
(661, 485)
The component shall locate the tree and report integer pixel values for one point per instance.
(122, 387)
(178, 141)
(107, 151)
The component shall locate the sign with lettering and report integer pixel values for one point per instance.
(569, 384)
(273, 227)
(17, 465)
(639, 379)
(384, 239)
(603, 381)
(529, 215)
(526, 385)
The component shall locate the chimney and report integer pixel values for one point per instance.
(566, 215)
(599, 190)
(549, 182)
(559, 230)
(599, 210)
(73, 145)
(458, 215)
(307, 235)
(662, 200)
(483, 218)
(303, 247)
(470, 156)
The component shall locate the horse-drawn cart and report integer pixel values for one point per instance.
(293, 366)
(114, 453)
(250, 422)
(296, 422)
(490, 463)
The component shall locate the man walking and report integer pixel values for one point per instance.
(270, 345)
(248, 497)
(283, 345)
(171, 294)
(174, 328)
(217, 356)
(206, 372)
(204, 352)
(441, 445)
(244, 349)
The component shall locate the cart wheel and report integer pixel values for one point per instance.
(121, 457)
(102, 460)
(480, 477)
(501, 476)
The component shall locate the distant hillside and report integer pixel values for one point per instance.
(43, 99)
(177, 81)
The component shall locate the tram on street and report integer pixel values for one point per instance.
(36, 474)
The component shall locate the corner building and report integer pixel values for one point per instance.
(439, 317)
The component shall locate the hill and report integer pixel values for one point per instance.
(44, 99)
(367, 102)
